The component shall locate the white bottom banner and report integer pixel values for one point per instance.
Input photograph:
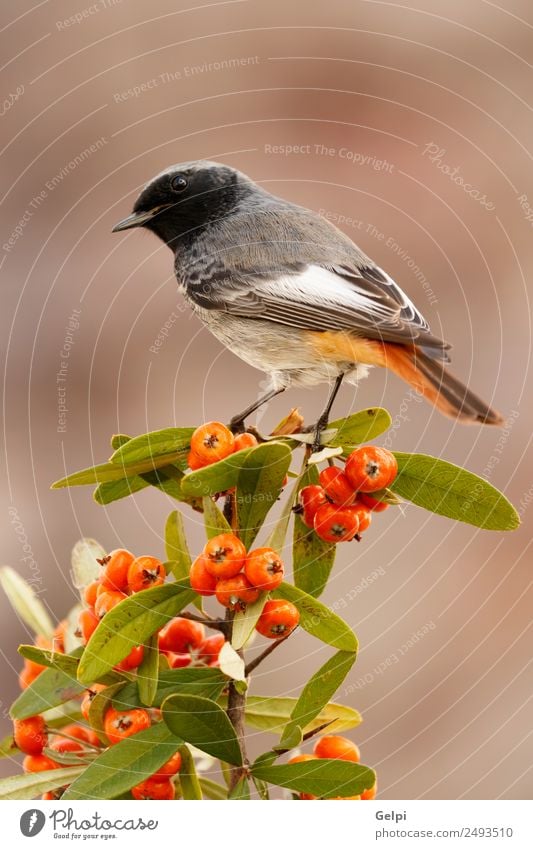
(314, 825)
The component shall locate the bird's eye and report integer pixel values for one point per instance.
(179, 183)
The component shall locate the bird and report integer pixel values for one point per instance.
(291, 294)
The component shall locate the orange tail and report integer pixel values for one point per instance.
(434, 382)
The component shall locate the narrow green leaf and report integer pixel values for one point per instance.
(66, 662)
(245, 621)
(212, 790)
(114, 471)
(322, 777)
(271, 714)
(190, 786)
(148, 671)
(148, 446)
(318, 619)
(121, 767)
(448, 490)
(259, 485)
(8, 747)
(313, 558)
(204, 724)
(119, 439)
(276, 539)
(100, 704)
(360, 427)
(25, 602)
(214, 519)
(34, 784)
(316, 694)
(291, 738)
(196, 680)
(218, 477)
(51, 687)
(106, 493)
(130, 624)
(176, 542)
(241, 791)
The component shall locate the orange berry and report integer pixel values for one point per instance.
(181, 635)
(336, 524)
(202, 581)
(61, 744)
(337, 486)
(224, 556)
(87, 624)
(171, 767)
(30, 734)
(179, 661)
(38, 763)
(145, 572)
(372, 503)
(264, 569)
(298, 759)
(133, 660)
(194, 462)
(119, 724)
(235, 593)
(114, 574)
(210, 648)
(310, 498)
(334, 746)
(212, 442)
(244, 440)
(106, 602)
(29, 673)
(278, 619)
(87, 699)
(90, 593)
(363, 514)
(154, 789)
(58, 640)
(369, 468)
(86, 735)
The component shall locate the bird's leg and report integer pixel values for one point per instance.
(323, 419)
(237, 423)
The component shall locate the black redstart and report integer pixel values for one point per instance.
(289, 293)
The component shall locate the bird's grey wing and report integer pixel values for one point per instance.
(363, 300)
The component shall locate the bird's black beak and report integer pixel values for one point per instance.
(137, 219)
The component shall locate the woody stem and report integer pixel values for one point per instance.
(236, 711)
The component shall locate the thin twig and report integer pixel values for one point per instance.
(261, 657)
(216, 624)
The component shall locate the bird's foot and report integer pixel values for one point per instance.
(318, 429)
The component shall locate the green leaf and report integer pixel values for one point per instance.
(130, 624)
(318, 619)
(170, 440)
(276, 539)
(272, 714)
(190, 786)
(204, 724)
(176, 543)
(259, 485)
(121, 767)
(241, 790)
(360, 427)
(214, 519)
(317, 693)
(8, 747)
(245, 621)
(196, 680)
(51, 687)
(218, 477)
(106, 493)
(448, 490)
(34, 784)
(323, 777)
(114, 471)
(212, 790)
(313, 557)
(148, 671)
(99, 706)
(25, 602)
(66, 662)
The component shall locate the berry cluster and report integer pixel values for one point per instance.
(213, 441)
(337, 748)
(237, 577)
(340, 507)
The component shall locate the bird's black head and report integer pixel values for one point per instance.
(184, 198)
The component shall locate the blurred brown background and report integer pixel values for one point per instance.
(415, 124)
